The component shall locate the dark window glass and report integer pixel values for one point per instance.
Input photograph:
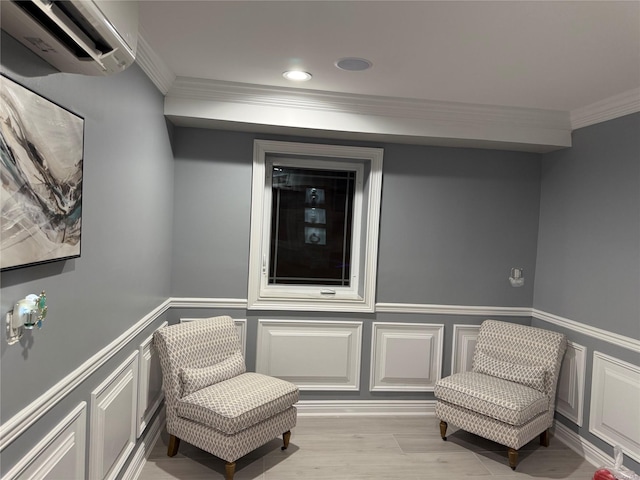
(311, 218)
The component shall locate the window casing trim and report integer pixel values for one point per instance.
(360, 296)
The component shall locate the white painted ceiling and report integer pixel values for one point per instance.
(543, 54)
(491, 74)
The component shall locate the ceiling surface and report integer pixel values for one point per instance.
(546, 54)
(491, 74)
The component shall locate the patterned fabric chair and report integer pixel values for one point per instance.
(211, 401)
(509, 396)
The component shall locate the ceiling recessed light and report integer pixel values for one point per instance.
(297, 75)
(353, 64)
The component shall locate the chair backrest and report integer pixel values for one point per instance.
(194, 344)
(523, 345)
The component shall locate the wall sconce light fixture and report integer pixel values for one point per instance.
(517, 277)
(26, 314)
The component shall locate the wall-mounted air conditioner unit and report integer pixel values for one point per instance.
(92, 37)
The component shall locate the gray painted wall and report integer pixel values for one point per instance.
(124, 270)
(453, 221)
(588, 266)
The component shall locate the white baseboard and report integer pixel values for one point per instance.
(582, 447)
(352, 408)
(142, 452)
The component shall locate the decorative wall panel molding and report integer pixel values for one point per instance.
(604, 335)
(570, 398)
(465, 338)
(196, 302)
(615, 389)
(425, 308)
(241, 328)
(17, 424)
(212, 103)
(61, 454)
(13, 427)
(405, 357)
(315, 355)
(434, 309)
(113, 421)
(149, 382)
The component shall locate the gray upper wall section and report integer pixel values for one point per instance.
(453, 221)
(588, 265)
(124, 270)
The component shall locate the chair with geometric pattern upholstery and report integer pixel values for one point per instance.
(509, 395)
(211, 401)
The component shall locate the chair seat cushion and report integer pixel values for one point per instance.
(238, 403)
(509, 402)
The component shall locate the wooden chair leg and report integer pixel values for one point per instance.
(174, 443)
(286, 436)
(443, 430)
(513, 458)
(544, 438)
(229, 470)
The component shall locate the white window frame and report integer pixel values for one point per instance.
(360, 295)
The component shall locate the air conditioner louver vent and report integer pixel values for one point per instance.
(75, 36)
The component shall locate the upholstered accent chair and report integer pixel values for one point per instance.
(509, 396)
(211, 401)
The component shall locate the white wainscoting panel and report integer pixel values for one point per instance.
(113, 421)
(615, 414)
(570, 399)
(315, 355)
(405, 357)
(464, 344)
(60, 454)
(241, 328)
(13, 427)
(149, 382)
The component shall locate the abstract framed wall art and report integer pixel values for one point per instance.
(41, 154)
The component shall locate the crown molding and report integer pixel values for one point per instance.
(151, 63)
(250, 94)
(404, 120)
(206, 103)
(619, 105)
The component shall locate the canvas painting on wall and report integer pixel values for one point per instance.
(41, 153)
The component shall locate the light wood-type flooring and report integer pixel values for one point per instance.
(385, 448)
